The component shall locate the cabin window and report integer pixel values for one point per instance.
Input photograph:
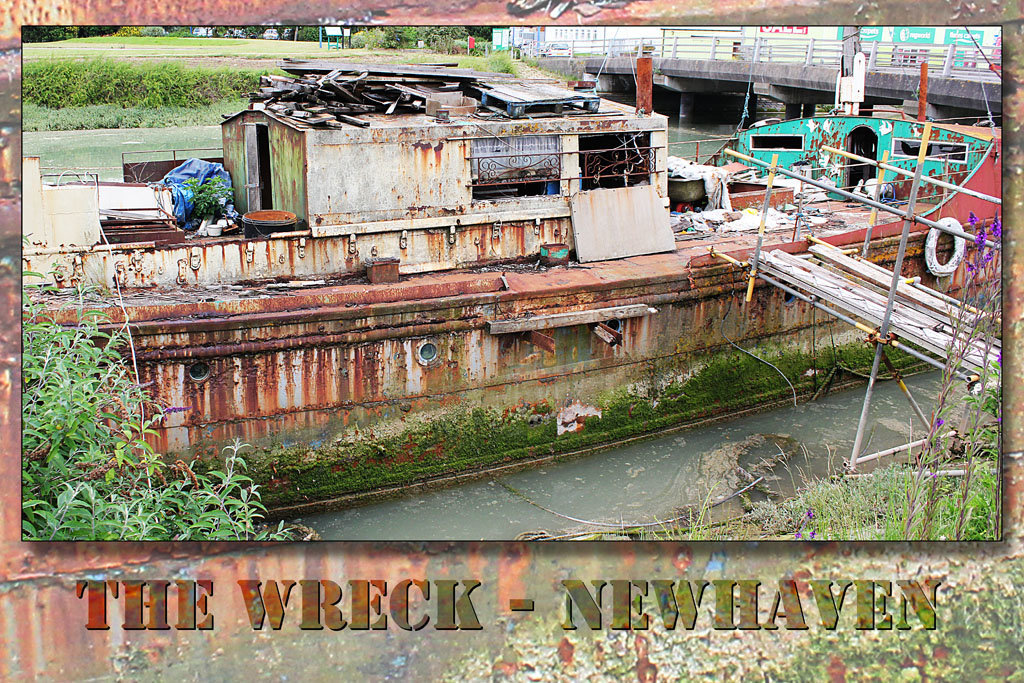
(426, 354)
(198, 372)
(948, 151)
(616, 160)
(522, 166)
(795, 142)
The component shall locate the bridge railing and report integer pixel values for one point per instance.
(947, 61)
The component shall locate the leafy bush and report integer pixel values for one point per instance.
(446, 39)
(371, 39)
(87, 471)
(47, 34)
(153, 32)
(501, 62)
(68, 83)
(208, 198)
(128, 32)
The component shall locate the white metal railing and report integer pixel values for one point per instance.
(947, 61)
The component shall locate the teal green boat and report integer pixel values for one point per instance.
(954, 154)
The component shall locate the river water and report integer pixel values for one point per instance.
(645, 481)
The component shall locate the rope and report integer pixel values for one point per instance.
(746, 100)
(992, 68)
(621, 524)
(727, 311)
(607, 53)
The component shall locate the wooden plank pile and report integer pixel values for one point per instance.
(335, 94)
(917, 316)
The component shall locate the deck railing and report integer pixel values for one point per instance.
(947, 61)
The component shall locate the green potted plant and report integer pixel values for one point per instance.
(208, 199)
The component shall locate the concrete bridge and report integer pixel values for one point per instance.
(800, 75)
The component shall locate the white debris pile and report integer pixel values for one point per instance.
(750, 220)
(725, 220)
(811, 193)
(714, 178)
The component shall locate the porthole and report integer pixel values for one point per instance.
(426, 354)
(615, 324)
(789, 298)
(197, 372)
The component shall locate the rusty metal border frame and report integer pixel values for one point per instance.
(42, 621)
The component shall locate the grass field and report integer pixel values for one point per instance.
(245, 53)
(99, 151)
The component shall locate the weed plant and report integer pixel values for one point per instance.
(96, 116)
(87, 471)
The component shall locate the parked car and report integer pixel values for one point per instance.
(271, 34)
(202, 32)
(558, 50)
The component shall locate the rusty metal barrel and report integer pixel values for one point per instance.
(265, 223)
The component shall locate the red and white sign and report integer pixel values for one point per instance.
(791, 30)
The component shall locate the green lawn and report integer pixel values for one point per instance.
(175, 47)
(236, 52)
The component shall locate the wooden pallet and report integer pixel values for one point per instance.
(929, 330)
(520, 100)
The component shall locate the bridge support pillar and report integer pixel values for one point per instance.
(687, 103)
(808, 111)
(794, 110)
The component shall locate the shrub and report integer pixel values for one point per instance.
(87, 471)
(153, 32)
(501, 62)
(67, 83)
(371, 39)
(209, 198)
(128, 32)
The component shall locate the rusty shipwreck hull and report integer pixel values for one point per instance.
(333, 369)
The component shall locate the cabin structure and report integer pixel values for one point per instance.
(441, 193)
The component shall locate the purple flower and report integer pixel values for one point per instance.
(798, 536)
(997, 228)
(176, 409)
(999, 359)
(972, 219)
(810, 513)
(812, 535)
(940, 422)
(981, 236)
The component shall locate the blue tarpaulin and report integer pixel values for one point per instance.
(199, 170)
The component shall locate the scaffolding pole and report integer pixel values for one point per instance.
(910, 174)
(865, 200)
(760, 230)
(887, 317)
(873, 218)
(842, 317)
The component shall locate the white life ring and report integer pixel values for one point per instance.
(931, 243)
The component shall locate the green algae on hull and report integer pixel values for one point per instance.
(473, 440)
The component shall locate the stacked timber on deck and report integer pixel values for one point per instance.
(336, 94)
(920, 315)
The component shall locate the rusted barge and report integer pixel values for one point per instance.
(478, 356)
